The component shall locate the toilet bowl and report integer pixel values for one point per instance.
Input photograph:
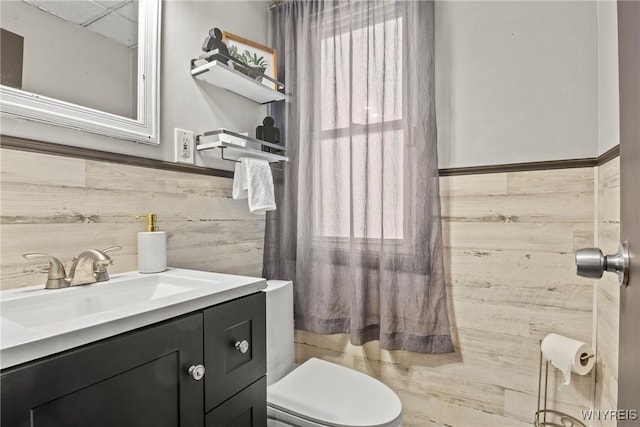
(317, 393)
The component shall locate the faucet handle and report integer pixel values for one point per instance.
(56, 275)
(111, 249)
(100, 267)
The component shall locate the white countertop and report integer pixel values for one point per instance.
(35, 322)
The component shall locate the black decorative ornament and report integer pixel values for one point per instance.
(214, 41)
(269, 133)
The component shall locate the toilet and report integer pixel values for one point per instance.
(317, 393)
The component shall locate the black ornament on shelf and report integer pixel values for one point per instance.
(267, 132)
(214, 41)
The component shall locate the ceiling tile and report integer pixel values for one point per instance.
(129, 11)
(116, 28)
(110, 3)
(78, 12)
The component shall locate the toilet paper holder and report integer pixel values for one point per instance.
(584, 357)
(540, 418)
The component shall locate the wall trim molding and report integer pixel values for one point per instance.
(23, 144)
(608, 155)
(534, 166)
(519, 167)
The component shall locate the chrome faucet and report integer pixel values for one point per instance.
(88, 267)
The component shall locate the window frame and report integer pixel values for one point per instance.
(338, 248)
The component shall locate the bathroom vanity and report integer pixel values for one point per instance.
(147, 371)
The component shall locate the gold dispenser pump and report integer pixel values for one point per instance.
(152, 222)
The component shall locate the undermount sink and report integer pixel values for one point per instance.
(37, 310)
(37, 322)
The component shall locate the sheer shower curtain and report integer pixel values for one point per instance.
(358, 225)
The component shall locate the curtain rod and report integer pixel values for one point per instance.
(277, 3)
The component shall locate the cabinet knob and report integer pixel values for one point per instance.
(242, 346)
(196, 372)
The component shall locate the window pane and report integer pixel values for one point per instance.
(363, 176)
(362, 76)
(335, 80)
(377, 73)
(332, 193)
(377, 185)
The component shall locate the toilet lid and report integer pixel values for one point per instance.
(333, 395)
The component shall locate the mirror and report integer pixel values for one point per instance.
(85, 64)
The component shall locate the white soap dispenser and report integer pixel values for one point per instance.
(152, 247)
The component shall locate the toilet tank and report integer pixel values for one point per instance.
(280, 350)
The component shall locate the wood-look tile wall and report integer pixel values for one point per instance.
(510, 240)
(509, 237)
(608, 294)
(61, 206)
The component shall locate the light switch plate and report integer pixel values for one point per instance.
(185, 145)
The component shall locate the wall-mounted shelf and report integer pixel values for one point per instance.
(236, 145)
(221, 75)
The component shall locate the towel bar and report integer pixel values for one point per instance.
(238, 161)
(239, 146)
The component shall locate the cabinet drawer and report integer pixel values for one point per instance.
(135, 379)
(246, 409)
(230, 370)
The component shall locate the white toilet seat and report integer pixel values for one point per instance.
(323, 394)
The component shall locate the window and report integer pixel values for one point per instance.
(360, 155)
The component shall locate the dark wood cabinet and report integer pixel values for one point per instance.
(229, 369)
(142, 378)
(245, 409)
(135, 379)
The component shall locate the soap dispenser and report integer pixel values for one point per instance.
(152, 247)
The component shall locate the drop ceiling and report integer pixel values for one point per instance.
(117, 20)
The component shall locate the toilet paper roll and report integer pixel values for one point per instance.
(567, 355)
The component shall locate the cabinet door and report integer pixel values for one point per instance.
(229, 369)
(136, 379)
(246, 409)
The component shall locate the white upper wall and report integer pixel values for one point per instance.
(186, 102)
(516, 81)
(191, 103)
(608, 89)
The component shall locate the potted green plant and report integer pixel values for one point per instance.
(253, 65)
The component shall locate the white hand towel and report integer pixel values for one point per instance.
(253, 180)
(240, 188)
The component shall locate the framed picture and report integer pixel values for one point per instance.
(253, 54)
